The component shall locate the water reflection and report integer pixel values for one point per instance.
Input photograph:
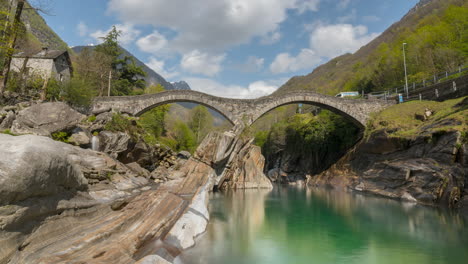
(294, 225)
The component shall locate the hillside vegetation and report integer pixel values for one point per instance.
(436, 33)
(407, 120)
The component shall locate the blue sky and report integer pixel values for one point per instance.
(231, 48)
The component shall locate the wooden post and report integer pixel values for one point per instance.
(109, 88)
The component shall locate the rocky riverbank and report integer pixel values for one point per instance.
(424, 160)
(129, 202)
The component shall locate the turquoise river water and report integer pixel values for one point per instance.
(297, 225)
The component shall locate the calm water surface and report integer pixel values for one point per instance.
(293, 225)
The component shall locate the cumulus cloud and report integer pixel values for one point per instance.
(128, 33)
(252, 64)
(351, 16)
(159, 67)
(270, 38)
(332, 40)
(326, 42)
(210, 24)
(284, 62)
(371, 18)
(152, 43)
(82, 29)
(343, 4)
(202, 63)
(312, 5)
(253, 90)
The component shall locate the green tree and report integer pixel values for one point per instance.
(153, 121)
(126, 75)
(201, 122)
(184, 137)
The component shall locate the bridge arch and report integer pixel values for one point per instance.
(138, 105)
(351, 109)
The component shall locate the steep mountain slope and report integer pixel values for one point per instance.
(37, 34)
(151, 76)
(437, 35)
(181, 85)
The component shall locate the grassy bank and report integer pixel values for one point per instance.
(407, 120)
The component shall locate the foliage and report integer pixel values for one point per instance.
(201, 122)
(437, 41)
(120, 123)
(152, 89)
(308, 135)
(92, 118)
(400, 120)
(61, 136)
(185, 137)
(95, 67)
(8, 132)
(76, 92)
(127, 76)
(153, 121)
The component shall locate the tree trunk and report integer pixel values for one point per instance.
(44, 89)
(10, 47)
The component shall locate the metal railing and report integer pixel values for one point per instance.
(434, 88)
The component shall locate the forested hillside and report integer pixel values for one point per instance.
(436, 33)
(35, 32)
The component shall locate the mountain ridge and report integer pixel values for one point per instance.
(339, 73)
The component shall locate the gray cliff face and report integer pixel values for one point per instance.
(430, 169)
(182, 85)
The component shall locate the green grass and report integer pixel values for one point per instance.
(8, 132)
(400, 120)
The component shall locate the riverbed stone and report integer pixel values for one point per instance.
(45, 119)
(152, 259)
(7, 121)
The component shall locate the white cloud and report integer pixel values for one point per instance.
(270, 38)
(284, 62)
(351, 16)
(210, 24)
(202, 63)
(371, 18)
(332, 40)
(152, 43)
(253, 90)
(312, 5)
(343, 4)
(82, 29)
(253, 64)
(158, 66)
(128, 33)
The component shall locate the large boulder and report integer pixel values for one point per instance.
(45, 119)
(35, 167)
(113, 143)
(7, 121)
(246, 170)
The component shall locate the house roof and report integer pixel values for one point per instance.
(43, 54)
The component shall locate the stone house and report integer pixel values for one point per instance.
(45, 64)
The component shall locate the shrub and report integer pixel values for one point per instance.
(61, 136)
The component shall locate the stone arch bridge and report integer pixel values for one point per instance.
(241, 111)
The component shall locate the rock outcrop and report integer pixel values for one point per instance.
(45, 119)
(429, 169)
(238, 163)
(245, 171)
